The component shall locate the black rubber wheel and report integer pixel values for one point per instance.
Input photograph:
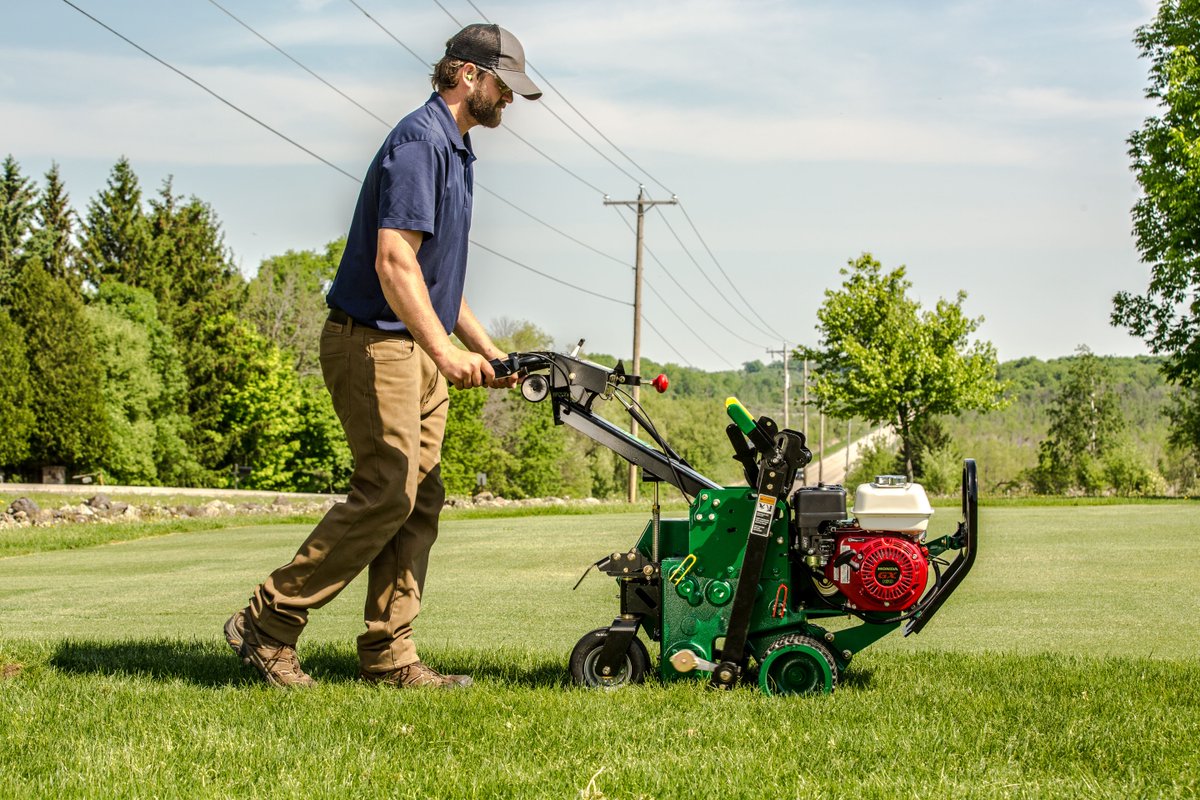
(585, 671)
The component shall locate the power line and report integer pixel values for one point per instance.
(766, 329)
(379, 25)
(297, 62)
(724, 273)
(192, 80)
(423, 63)
(692, 258)
(561, 233)
(551, 277)
(696, 302)
(667, 342)
(570, 105)
(388, 125)
(324, 161)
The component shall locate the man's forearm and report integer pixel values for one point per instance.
(472, 334)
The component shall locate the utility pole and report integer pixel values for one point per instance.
(641, 204)
(787, 384)
(804, 469)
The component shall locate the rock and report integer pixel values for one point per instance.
(281, 500)
(590, 501)
(484, 497)
(101, 501)
(131, 513)
(118, 507)
(83, 510)
(23, 504)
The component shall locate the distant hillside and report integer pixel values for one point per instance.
(692, 412)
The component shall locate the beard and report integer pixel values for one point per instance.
(486, 113)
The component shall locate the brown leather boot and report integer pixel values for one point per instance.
(414, 675)
(275, 661)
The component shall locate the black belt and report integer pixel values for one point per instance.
(339, 316)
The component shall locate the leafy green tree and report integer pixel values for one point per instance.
(322, 460)
(469, 448)
(885, 360)
(115, 244)
(165, 390)
(17, 203)
(53, 240)
(131, 385)
(286, 301)
(1085, 422)
(68, 402)
(1166, 219)
(16, 414)
(245, 403)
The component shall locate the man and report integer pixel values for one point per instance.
(386, 356)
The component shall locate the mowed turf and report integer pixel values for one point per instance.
(1065, 666)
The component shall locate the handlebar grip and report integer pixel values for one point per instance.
(503, 368)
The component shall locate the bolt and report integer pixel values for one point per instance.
(716, 502)
(648, 570)
(711, 517)
(828, 636)
(778, 540)
(606, 670)
(846, 654)
(703, 497)
(616, 556)
(725, 675)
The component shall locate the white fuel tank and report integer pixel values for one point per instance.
(892, 503)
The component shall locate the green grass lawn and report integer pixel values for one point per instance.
(1066, 666)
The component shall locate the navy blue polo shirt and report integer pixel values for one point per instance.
(420, 180)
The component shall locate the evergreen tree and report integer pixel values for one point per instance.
(68, 404)
(16, 395)
(115, 244)
(17, 203)
(53, 242)
(192, 274)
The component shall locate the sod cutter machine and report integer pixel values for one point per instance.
(738, 591)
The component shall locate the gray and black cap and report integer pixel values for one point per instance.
(492, 47)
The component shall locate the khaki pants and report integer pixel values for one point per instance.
(392, 402)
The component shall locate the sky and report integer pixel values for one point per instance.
(981, 144)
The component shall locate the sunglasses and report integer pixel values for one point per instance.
(501, 85)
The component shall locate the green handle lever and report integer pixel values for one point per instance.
(738, 413)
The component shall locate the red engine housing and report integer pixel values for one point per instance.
(883, 571)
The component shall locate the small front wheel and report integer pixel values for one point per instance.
(585, 667)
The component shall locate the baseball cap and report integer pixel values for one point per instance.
(494, 48)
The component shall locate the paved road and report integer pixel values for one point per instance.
(833, 468)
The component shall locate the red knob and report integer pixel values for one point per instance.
(660, 383)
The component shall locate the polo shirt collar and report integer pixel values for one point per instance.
(441, 112)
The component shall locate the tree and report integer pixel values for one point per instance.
(53, 241)
(17, 203)
(192, 274)
(116, 238)
(68, 404)
(16, 414)
(1085, 422)
(1166, 218)
(161, 404)
(885, 360)
(286, 301)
